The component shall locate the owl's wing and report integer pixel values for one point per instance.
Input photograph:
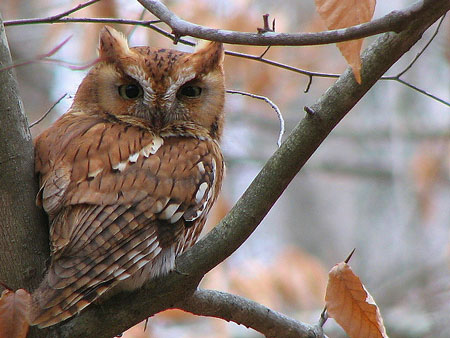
(131, 200)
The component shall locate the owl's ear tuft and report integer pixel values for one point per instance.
(208, 56)
(113, 44)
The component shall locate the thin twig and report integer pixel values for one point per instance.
(133, 29)
(309, 84)
(398, 79)
(146, 323)
(309, 111)
(323, 317)
(273, 105)
(47, 112)
(394, 21)
(150, 24)
(38, 57)
(423, 49)
(36, 21)
(69, 65)
(280, 65)
(73, 10)
(6, 287)
(176, 37)
(265, 51)
(266, 28)
(420, 91)
(350, 256)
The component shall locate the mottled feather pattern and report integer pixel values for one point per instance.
(127, 184)
(111, 229)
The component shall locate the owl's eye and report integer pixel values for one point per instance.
(190, 91)
(130, 91)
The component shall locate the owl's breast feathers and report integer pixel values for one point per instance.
(122, 200)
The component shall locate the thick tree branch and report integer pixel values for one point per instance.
(23, 235)
(112, 317)
(395, 21)
(247, 312)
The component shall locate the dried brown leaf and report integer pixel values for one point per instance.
(351, 305)
(14, 313)
(345, 13)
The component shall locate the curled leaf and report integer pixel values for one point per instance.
(345, 13)
(351, 305)
(14, 308)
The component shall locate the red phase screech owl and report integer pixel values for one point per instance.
(129, 173)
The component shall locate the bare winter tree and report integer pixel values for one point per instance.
(24, 232)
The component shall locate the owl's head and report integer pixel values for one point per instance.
(161, 86)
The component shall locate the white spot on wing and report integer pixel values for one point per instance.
(138, 258)
(154, 248)
(133, 158)
(169, 211)
(210, 192)
(118, 272)
(201, 192)
(146, 150)
(159, 206)
(176, 216)
(132, 254)
(163, 263)
(141, 263)
(157, 251)
(119, 166)
(213, 164)
(95, 173)
(153, 147)
(123, 276)
(193, 214)
(156, 144)
(151, 240)
(201, 167)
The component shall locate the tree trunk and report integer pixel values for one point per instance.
(23, 231)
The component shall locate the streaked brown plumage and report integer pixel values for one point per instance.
(129, 173)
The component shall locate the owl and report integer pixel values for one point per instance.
(129, 173)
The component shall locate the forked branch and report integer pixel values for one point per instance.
(393, 22)
(234, 308)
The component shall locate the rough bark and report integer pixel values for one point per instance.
(249, 313)
(23, 231)
(23, 234)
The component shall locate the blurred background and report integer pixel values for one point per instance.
(380, 183)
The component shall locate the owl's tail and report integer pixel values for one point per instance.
(51, 305)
